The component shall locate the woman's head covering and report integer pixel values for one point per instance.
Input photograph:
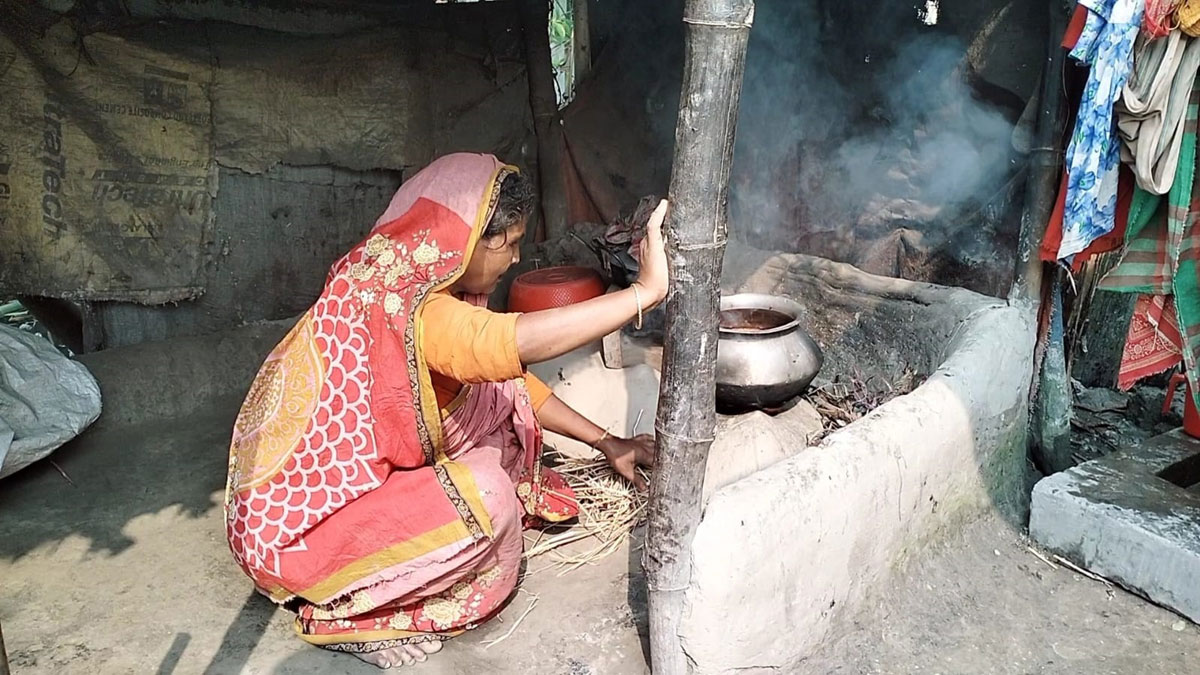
(467, 185)
(456, 181)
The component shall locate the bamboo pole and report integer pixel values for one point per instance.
(543, 103)
(1045, 161)
(717, 34)
(582, 55)
(1050, 403)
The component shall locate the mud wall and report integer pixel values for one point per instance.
(837, 520)
(316, 110)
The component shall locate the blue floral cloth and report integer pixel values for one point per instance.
(1093, 154)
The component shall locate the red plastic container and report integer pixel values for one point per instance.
(1191, 417)
(554, 287)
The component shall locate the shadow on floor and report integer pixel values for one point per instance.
(242, 636)
(637, 596)
(109, 485)
(171, 660)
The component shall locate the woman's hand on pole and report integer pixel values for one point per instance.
(550, 333)
(652, 258)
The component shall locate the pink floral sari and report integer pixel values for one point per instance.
(384, 519)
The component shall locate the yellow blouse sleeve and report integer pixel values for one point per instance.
(468, 343)
(539, 393)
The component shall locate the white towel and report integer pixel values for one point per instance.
(1151, 109)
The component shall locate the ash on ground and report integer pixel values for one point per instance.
(1104, 420)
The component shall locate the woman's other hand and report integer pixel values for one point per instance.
(652, 258)
(625, 455)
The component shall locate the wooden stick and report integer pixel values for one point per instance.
(547, 125)
(583, 41)
(3, 656)
(559, 540)
(715, 48)
(490, 643)
(1076, 568)
(1045, 163)
(1041, 557)
(63, 473)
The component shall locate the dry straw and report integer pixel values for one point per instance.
(609, 509)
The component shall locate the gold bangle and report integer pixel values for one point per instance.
(601, 439)
(637, 295)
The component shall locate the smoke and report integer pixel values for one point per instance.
(948, 145)
(790, 99)
(857, 120)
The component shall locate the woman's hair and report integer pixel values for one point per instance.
(516, 202)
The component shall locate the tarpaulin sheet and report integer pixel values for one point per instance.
(46, 399)
(113, 145)
(360, 101)
(106, 171)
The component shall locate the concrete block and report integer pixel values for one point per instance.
(1133, 517)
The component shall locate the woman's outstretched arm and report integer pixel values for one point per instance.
(544, 335)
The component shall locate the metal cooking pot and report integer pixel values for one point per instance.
(764, 357)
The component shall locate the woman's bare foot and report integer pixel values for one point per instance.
(404, 655)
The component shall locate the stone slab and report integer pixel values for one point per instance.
(1124, 518)
(174, 377)
(610, 349)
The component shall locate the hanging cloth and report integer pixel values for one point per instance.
(1106, 44)
(1109, 242)
(1159, 18)
(1151, 109)
(1162, 247)
(1187, 17)
(1153, 343)
(1075, 27)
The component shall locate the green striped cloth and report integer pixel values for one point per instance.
(1162, 246)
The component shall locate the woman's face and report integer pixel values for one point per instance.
(492, 258)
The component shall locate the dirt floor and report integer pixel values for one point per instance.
(982, 603)
(124, 569)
